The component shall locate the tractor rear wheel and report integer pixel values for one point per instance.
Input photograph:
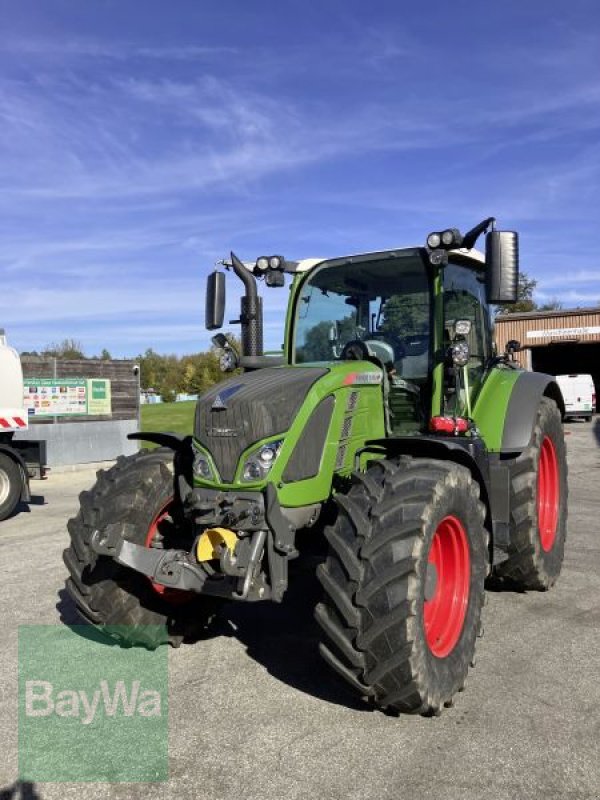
(137, 495)
(538, 505)
(403, 583)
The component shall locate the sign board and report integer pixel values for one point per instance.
(99, 399)
(61, 397)
(563, 333)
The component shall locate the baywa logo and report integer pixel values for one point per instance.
(90, 710)
(42, 700)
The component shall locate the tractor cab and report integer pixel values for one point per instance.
(421, 314)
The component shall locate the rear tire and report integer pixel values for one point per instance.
(539, 492)
(11, 485)
(395, 628)
(137, 496)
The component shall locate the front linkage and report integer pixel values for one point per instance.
(258, 524)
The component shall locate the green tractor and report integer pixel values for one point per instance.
(433, 460)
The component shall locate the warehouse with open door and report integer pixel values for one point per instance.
(562, 342)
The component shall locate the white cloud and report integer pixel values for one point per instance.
(127, 168)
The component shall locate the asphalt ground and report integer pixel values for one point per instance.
(254, 714)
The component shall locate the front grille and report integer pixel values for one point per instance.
(250, 407)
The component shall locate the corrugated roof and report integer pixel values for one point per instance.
(560, 312)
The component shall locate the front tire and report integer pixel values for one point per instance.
(404, 582)
(538, 497)
(11, 485)
(137, 495)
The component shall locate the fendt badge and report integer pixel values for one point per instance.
(219, 403)
(226, 432)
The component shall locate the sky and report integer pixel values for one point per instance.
(140, 142)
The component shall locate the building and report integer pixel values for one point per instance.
(557, 342)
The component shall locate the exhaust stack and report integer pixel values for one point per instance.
(250, 312)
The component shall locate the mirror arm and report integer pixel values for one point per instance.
(471, 236)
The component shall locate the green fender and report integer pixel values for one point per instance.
(507, 404)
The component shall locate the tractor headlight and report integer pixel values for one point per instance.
(438, 258)
(258, 465)
(434, 240)
(459, 352)
(447, 238)
(262, 263)
(202, 467)
(451, 238)
(228, 360)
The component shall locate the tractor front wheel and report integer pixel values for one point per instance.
(138, 496)
(403, 583)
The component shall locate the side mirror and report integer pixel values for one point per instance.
(502, 266)
(215, 301)
(512, 347)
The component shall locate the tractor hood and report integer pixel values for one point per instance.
(234, 414)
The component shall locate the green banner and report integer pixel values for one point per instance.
(61, 397)
(98, 396)
(90, 710)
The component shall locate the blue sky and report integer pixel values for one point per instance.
(141, 141)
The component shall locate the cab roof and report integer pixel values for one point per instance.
(307, 264)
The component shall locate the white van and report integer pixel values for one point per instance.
(579, 394)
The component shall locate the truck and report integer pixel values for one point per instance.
(20, 459)
(579, 393)
(389, 430)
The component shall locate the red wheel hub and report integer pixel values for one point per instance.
(548, 494)
(447, 586)
(172, 595)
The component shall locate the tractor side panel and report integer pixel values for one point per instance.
(491, 406)
(357, 416)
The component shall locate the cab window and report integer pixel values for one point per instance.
(464, 299)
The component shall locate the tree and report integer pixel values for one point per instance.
(67, 349)
(552, 305)
(317, 344)
(105, 355)
(406, 315)
(525, 301)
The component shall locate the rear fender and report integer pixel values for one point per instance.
(523, 406)
(506, 407)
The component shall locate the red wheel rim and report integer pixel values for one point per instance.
(449, 564)
(172, 595)
(548, 493)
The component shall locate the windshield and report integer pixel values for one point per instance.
(383, 301)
